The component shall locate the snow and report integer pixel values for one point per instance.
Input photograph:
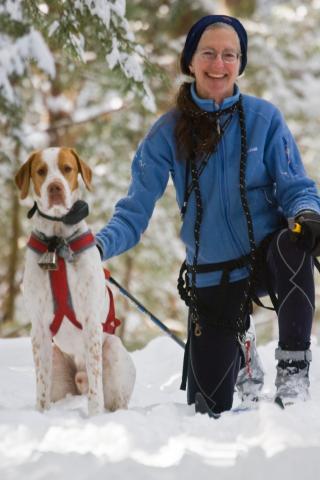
(12, 8)
(159, 436)
(78, 43)
(102, 8)
(59, 103)
(14, 56)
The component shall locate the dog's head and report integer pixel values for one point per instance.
(53, 172)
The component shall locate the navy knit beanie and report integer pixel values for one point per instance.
(197, 30)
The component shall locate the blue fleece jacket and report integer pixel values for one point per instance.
(276, 182)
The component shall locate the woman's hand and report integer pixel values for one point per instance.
(309, 237)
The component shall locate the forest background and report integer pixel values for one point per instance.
(94, 75)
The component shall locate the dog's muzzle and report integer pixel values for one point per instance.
(56, 194)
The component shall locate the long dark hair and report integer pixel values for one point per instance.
(195, 130)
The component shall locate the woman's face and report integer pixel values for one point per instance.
(215, 77)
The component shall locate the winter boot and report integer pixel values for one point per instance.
(292, 380)
(251, 377)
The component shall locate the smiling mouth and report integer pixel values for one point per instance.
(216, 77)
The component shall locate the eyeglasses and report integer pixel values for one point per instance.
(210, 55)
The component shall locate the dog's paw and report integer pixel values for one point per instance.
(94, 407)
(42, 405)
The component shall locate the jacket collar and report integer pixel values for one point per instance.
(209, 105)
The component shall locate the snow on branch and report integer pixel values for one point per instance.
(12, 8)
(15, 56)
(103, 8)
(67, 31)
(124, 53)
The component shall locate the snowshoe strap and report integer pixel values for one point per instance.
(294, 355)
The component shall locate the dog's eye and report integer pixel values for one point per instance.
(67, 169)
(41, 172)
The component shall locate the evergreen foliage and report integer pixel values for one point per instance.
(284, 67)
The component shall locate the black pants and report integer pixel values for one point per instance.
(215, 355)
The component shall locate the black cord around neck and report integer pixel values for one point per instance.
(189, 292)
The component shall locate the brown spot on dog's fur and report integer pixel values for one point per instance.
(29, 170)
(70, 165)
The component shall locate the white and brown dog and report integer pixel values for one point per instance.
(64, 291)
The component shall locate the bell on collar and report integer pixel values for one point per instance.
(48, 261)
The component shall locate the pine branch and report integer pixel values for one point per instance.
(70, 124)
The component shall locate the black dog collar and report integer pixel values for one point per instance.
(77, 212)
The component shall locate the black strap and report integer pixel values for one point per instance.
(273, 299)
(216, 267)
(260, 269)
(271, 292)
(241, 262)
(186, 357)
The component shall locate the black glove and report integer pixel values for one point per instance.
(309, 237)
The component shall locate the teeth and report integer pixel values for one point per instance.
(215, 76)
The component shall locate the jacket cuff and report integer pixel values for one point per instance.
(100, 248)
(305, 210)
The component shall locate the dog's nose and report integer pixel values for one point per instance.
(56, 193)
(55, 188)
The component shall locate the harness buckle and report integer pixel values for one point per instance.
(48, 261)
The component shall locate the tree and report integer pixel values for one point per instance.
(284, 68)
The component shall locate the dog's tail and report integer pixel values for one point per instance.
(81, 381)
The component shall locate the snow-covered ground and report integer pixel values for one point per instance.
(159, 436)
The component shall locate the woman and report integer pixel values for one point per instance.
(238, 178)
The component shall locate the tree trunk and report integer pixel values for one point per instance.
(245, 8)
(9, 303)
(58, 111)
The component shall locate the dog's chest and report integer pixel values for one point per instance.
(86, 297)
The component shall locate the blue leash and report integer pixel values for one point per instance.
(155, 320)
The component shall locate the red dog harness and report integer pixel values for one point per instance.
(61, 295)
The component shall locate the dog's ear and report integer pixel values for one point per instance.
(22, 178)
(84, 170)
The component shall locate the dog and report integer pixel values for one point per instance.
(64, 290)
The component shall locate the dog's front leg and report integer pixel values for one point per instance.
(93, 347)
(42, 356)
